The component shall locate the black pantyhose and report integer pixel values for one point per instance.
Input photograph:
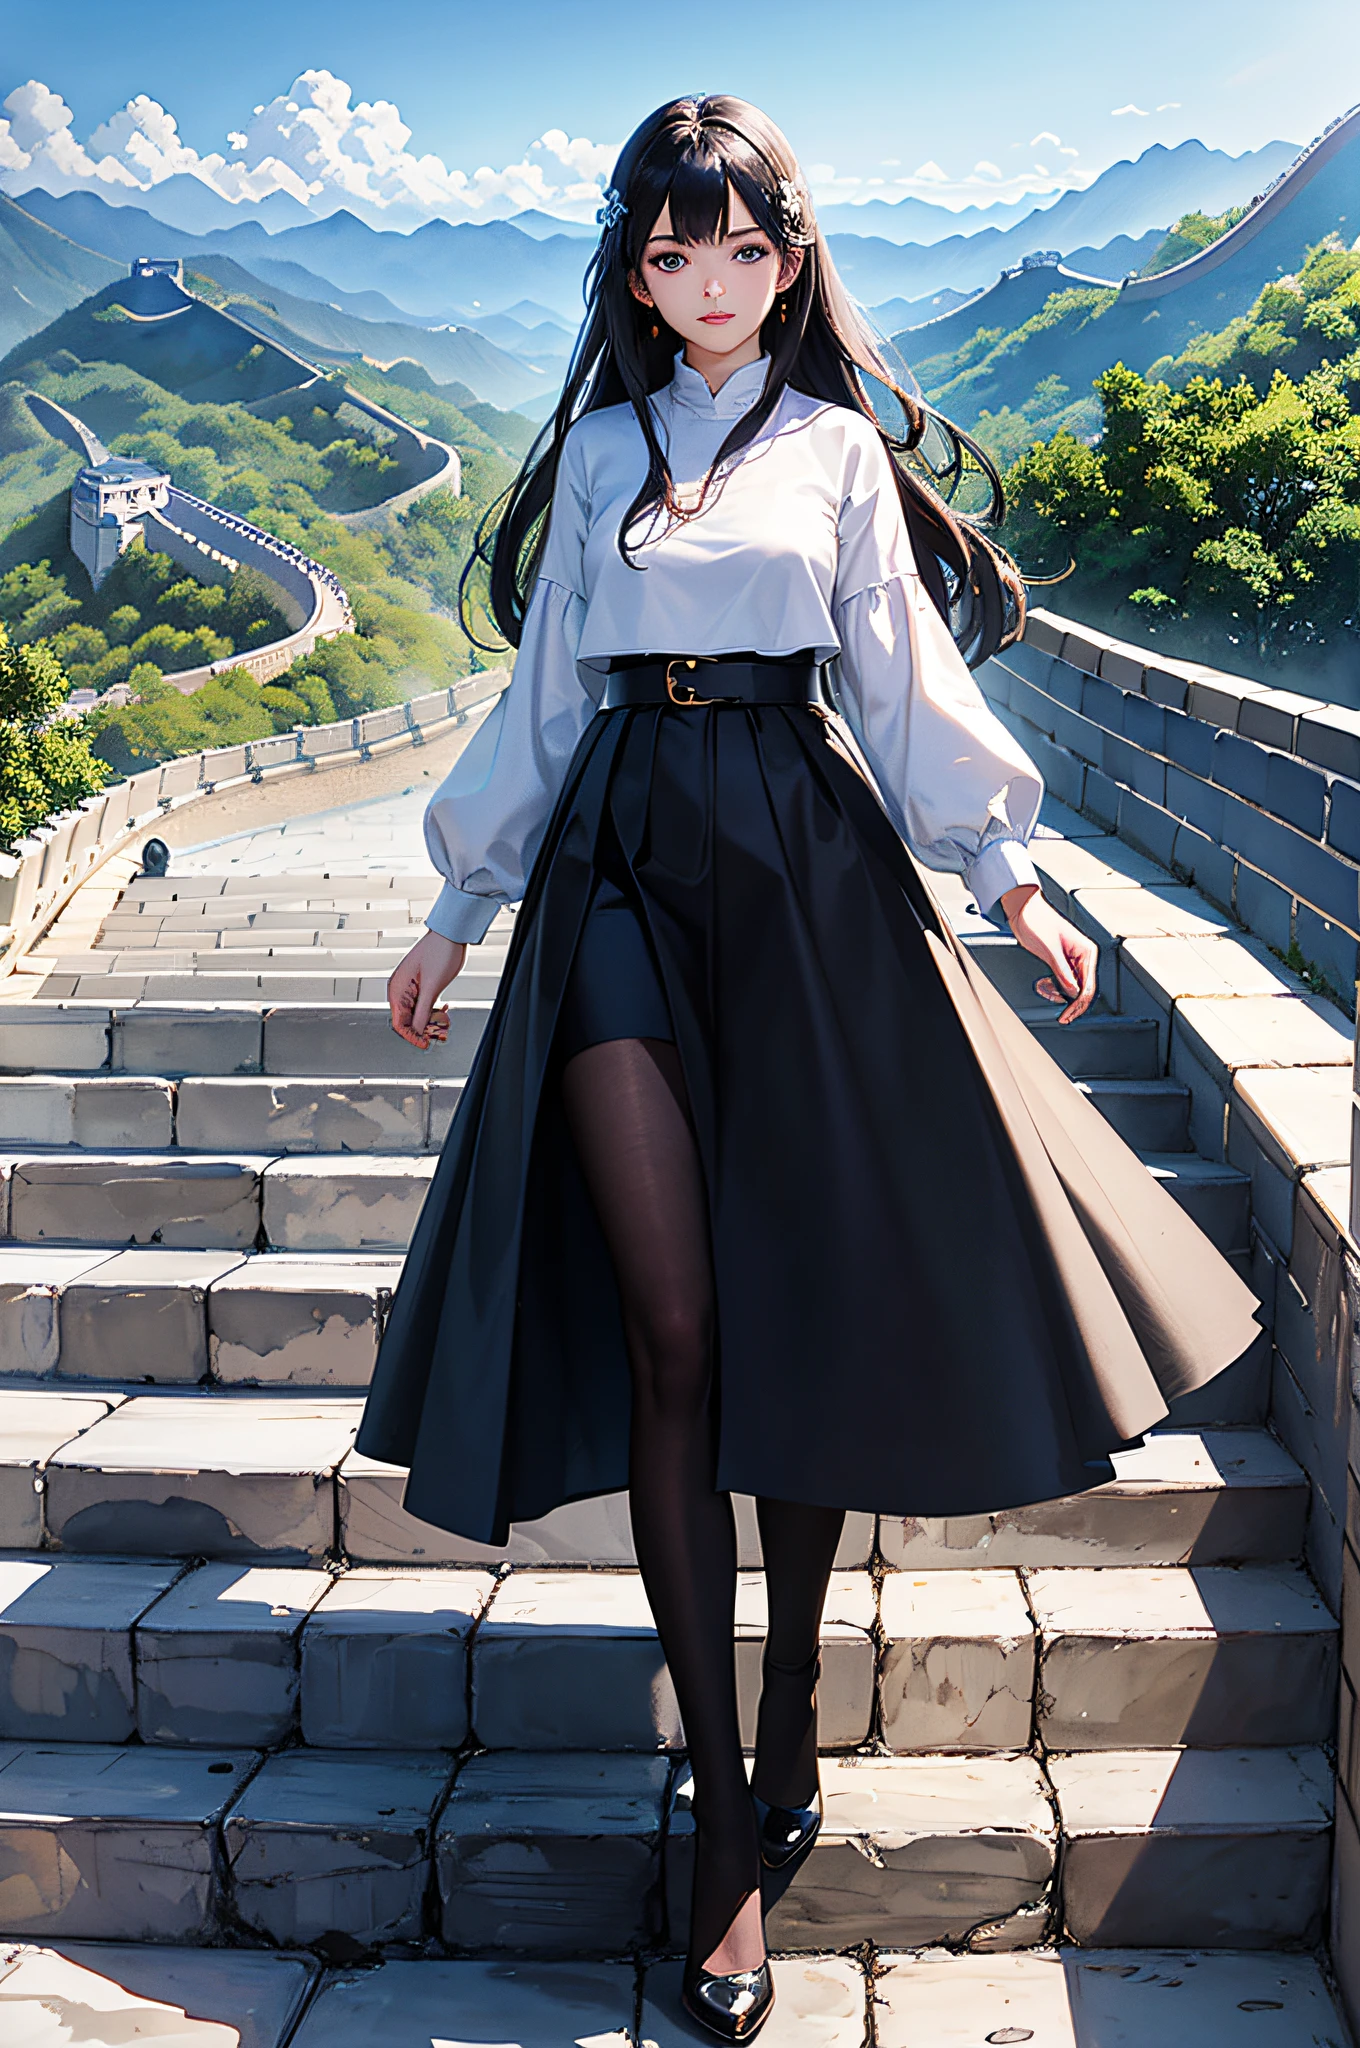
(628, 1114)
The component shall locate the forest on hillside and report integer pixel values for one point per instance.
(1218, 508)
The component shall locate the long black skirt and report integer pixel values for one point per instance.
(894, 1329)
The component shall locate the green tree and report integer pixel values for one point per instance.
(46, 764)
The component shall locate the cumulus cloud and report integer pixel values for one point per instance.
(314, 142)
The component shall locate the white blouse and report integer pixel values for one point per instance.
(801, 544)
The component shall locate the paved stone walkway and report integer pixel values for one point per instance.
(1097, 1721)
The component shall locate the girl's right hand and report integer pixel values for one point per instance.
(416, 985)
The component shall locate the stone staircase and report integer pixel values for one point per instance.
(1075, 1754)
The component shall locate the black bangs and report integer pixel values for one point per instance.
(699, 185)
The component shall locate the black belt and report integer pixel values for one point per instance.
(689, 683)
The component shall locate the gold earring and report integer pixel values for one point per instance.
(655, 331)
(783, 311)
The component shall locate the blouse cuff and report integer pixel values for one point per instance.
(457, 915)
(1001, 866)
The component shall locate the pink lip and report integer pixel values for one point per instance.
(716, 319)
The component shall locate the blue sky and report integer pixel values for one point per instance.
(954, 102)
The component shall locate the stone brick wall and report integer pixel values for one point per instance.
(1251, 795)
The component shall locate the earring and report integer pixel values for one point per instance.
(783, 311)
(656, 331)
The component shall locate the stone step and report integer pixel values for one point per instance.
(228, 1112)
(163, 1317)
(1211, 1496)
(232, 1474)
(215, 1036)
(1078, 1998)
(1097, 1047)
(239, 1655)
(320, 1202)
(1225, 1849)
(1151, 1116)
(1214, 1195)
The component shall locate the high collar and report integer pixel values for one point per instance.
(736, 396)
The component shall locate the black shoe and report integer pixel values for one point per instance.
(734, 2007)
(786, 1832)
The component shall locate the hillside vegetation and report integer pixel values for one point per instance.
(1221, 511)
(295, 461)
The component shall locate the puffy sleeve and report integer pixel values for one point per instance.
(485, 822)
(963, 794)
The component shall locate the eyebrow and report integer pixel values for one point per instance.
(730, 236)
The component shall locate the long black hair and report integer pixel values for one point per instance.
(694, 153)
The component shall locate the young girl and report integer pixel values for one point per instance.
(756, 1186)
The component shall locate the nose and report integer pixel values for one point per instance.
(715, 288)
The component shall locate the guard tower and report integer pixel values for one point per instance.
(108, 501)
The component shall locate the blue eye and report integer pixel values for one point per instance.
(672, 260)
(752, 249)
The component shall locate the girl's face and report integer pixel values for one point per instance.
(715, 295)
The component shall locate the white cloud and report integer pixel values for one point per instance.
(1046, 135)
(1168, 106)
(313, 142)
(986, 170)
(1142, 112)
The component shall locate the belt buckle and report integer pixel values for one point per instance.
(685, 694)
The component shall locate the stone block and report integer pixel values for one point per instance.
(141, 1316)
(384, 1659)
(1343, 818)
(1207, 864)
(1103, 1998)
(119, 1110)
(1272, 716)
(1330, 949)
(1297, 1119)
(140, 1199)
(54, 1038)
(37, 1109)
(30, 1294)
(200, 1475)
(34, 1425)
(1148, 827)
(957, 1668)
(178, 1039)
(184, 1998)
(1223, 1035)
(913, 1850)
(1240, 765)
(284, 1319)
(357, 1039)
(1263, 906)
(1043, 631)
(1190, 745)
(1114, 916)
(1217, 698)
(557, 1854)
(819, 2003)
(445, 1097)
(1214, 1195)
(348, 1202)
(1213, 1848)
(1102, 863)
(1330, 735)
(1130, 766)
(1214, 1656)
(66, 1672)
(112, 1844)
(1297, 794)
(218, 1656)
(302, 1116)
(530, 2005)
(1181, 1497)
(325, 1844)
(571, 1660)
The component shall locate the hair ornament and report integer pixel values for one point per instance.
(613, 211)
(788, 201)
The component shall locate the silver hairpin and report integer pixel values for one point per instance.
(613, 210)
(792, 214)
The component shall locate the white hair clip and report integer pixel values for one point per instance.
(792, 213)
(613, 210)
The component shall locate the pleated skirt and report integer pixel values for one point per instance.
(940, 1288)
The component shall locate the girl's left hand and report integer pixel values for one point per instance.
(1071, 956)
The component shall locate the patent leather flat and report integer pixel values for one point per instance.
(735, 2006)
(786, 1832)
